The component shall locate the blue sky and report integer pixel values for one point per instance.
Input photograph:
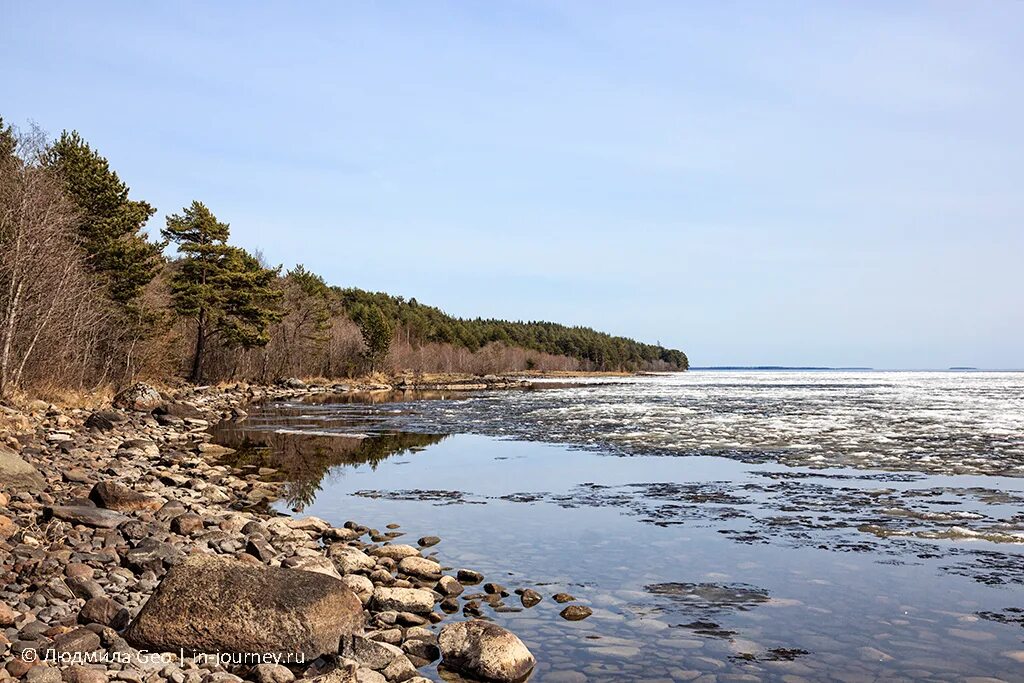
(791, 183)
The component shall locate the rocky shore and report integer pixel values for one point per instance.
(128, 553)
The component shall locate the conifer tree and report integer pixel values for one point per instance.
(224, 289)
(377, 332)
(111, 225)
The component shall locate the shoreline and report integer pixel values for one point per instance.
(114, 502)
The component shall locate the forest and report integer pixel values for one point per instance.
(88, 299)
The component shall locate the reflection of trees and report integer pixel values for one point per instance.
(302, 460)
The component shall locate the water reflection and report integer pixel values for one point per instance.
(285, 443)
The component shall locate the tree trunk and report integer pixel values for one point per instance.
(197, 357)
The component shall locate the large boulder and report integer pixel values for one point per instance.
(17, 474)
(485, 651)
(139, 396)
(214, 604)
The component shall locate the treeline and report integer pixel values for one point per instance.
(88, 299)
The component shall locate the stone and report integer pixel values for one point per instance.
(420, 567)
(103, 610)
(83, 674)
(187, 524)
(43, 674)
(468, 577)
(7, 527)
(485, 650)
(360, 585)
(449, 586)
(575, 612)
(413, 600)
(372, 654)
(349, 560)
(104, 420)
(273, 673)
(562, 598)
(88, 516)
(7, 615)
(530, 597)
(394, 551)
(428, 541)
(321, 565)
(423, 650)
(79, 640)
(214, 604)
(140, 396)
(17, 474)
(114, 496)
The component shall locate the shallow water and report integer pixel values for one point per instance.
(856, 530)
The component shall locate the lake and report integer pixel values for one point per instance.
(722, 526)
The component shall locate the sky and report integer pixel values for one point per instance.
(794, 183)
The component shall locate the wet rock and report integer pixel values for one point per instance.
(215, 604)
(17, 474)
(530, 597)
(421, 652)
(428, 541)
(485, 650)
(575, 612)
(114, 496)
(103, 610)
(495, 589)
(562, 598)
(468, 577)
(413, 600)
(88, 516)
(139, 396)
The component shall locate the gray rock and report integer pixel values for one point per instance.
(420, 567)
(88, 516)
(139, 396)
(412, 600)
(485, 650)
(468, 577)
(17, 474)
(215, 604)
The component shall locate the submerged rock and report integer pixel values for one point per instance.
(213, 604)
(575, 612)
(485, 650)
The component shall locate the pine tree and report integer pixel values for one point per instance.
(377, 333)
(111, 227)
(224, 289)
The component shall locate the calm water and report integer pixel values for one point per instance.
(723, 526)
